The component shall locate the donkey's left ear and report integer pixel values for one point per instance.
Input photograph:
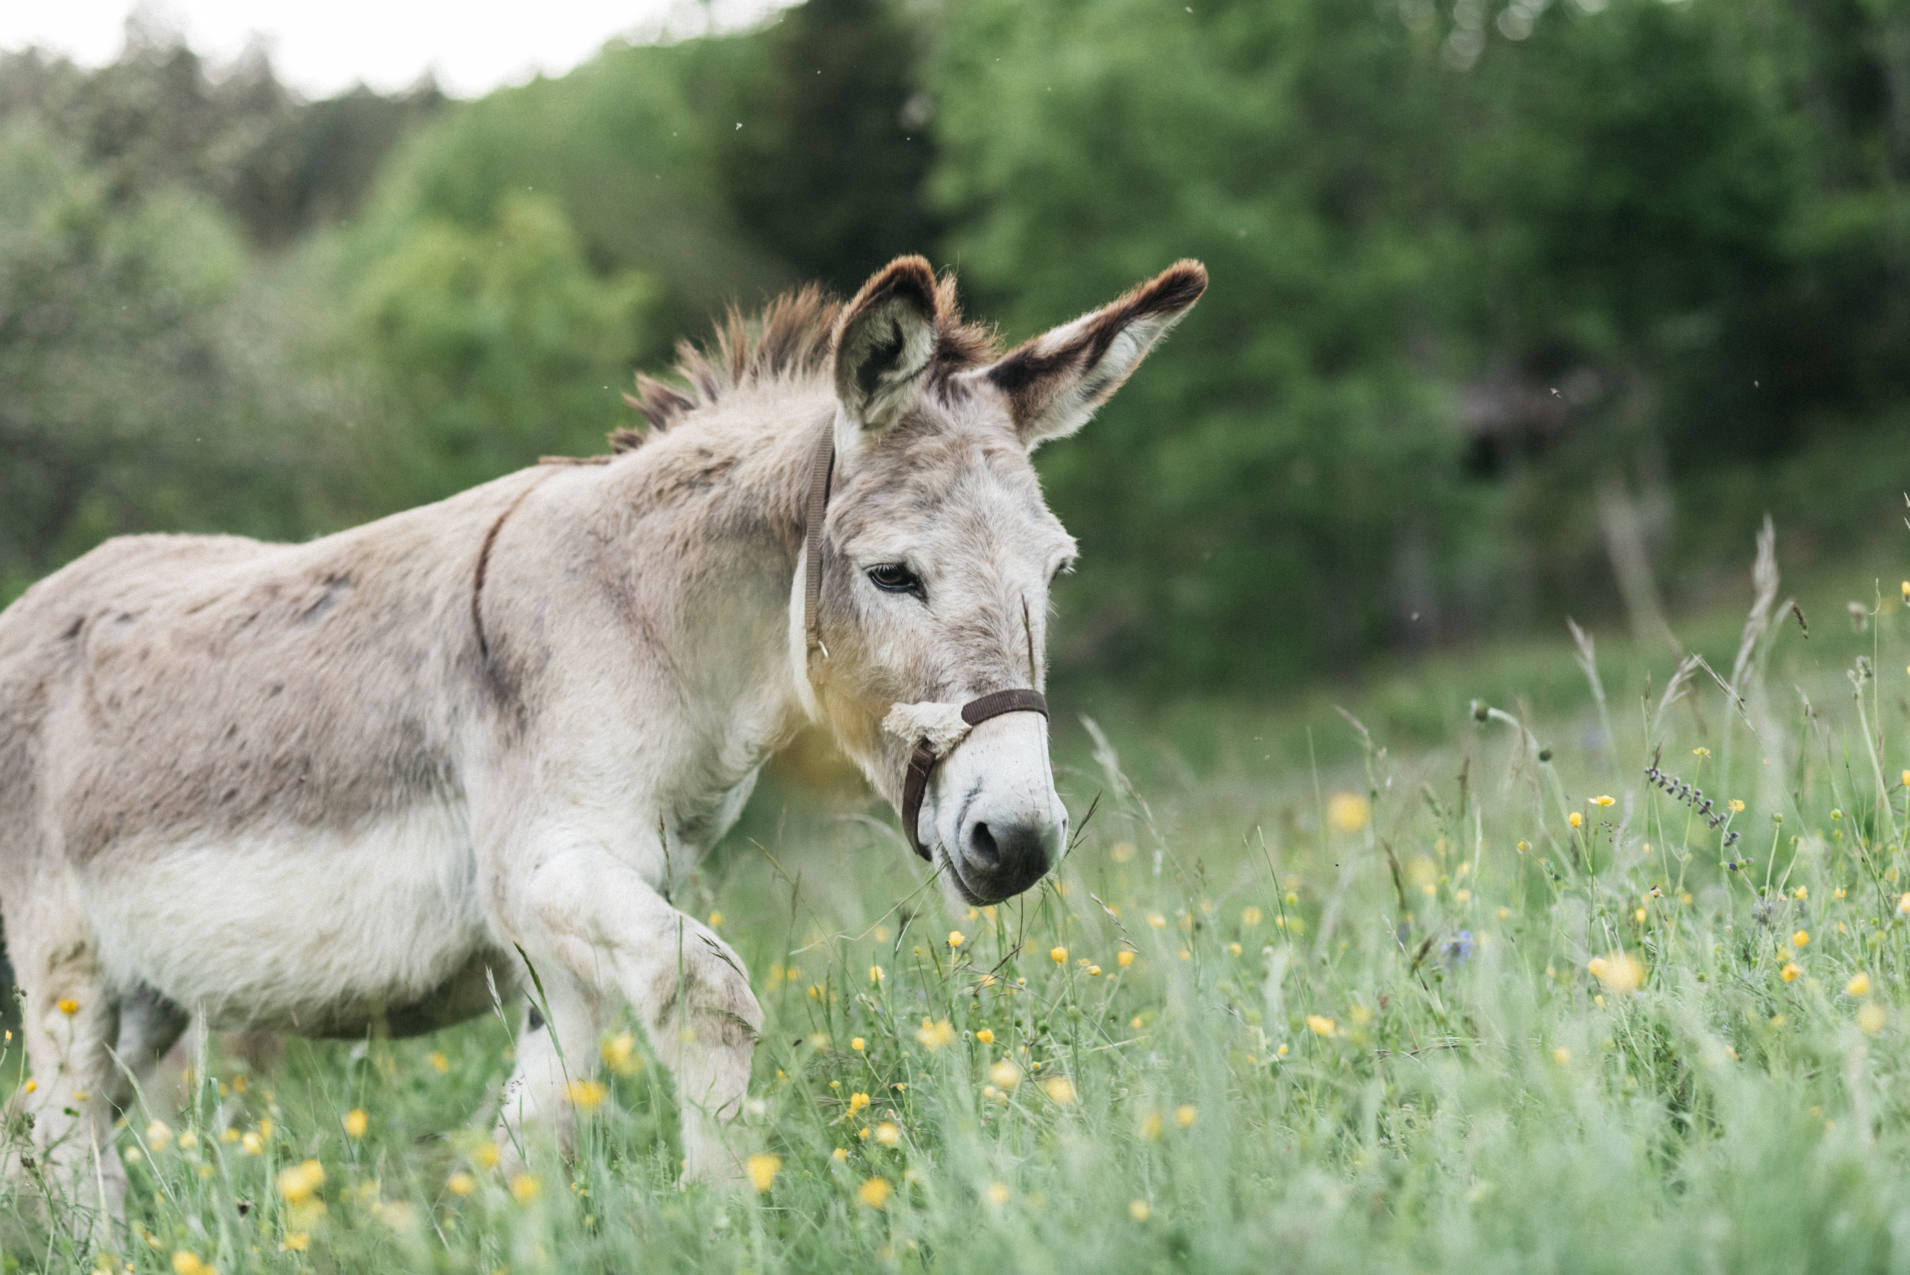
(884, 341)
(1055, 382)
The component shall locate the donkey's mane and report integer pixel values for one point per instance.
(790, 340)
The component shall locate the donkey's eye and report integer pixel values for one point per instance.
(893, 577)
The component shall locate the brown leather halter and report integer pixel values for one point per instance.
(923, 760)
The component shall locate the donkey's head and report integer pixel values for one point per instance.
(937, 554)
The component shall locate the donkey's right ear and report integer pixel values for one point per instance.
(884, 341)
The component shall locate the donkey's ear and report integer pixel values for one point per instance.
(884, 341)
(1055, 382)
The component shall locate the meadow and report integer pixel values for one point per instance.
(1468, 975)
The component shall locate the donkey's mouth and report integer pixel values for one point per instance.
(954, 872)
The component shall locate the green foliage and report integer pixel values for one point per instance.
(488, 347)
(624, 146)
(159, 117)
(129, 389)
(834, 141)
(1484, 273)
(1289, 433)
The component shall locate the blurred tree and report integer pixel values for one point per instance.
(157, 117)
(129, 404)
(623, 147)
(487, 347)
(1292, 458)
(833, 141)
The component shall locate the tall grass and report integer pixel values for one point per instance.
(1439, 1009)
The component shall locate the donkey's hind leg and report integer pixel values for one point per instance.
(70, 1024)
(149, 1026)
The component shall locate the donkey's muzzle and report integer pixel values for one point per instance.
(1001, 859)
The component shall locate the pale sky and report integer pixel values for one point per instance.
(322, 47)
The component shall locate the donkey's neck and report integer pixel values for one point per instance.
(720, 499)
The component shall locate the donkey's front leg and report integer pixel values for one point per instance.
(586, 912)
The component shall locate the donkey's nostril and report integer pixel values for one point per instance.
(982, 849)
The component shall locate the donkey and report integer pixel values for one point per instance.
(363, 781)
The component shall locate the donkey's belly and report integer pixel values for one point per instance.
(318, 930)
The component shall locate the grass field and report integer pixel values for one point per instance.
(1482, 999)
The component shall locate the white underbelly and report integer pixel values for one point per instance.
(294, 926)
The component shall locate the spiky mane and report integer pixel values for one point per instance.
(791, 339)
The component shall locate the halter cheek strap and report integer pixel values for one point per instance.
(926, 756)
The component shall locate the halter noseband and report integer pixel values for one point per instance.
(925, 757)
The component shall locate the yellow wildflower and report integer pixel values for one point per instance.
(1790, 972)
(1620, 972)
(186, 1262)
(460, 1183)
(889, 1134)
(295, 1242)
(875, 974)
(840, 1155)
(1801, 939)
(998, 1194)
(68, 1006)
(1859, 984)
(1870, 1019)
(524, 1188)
(1151, 1125)
(1737, 807)
(934, 1035)
(158, 1135)
(1562, 1056)
(956, 938)
(586, 1095)
(716, 920)
(1250, 917)
(1575, 819)
(763, 1169)
(1185, 1115)
(299, 1182)
(1348, 812)
(356, 1122)
(1321, 1025)
(252, 1143)
(985, 1036)
(1059, 1089)
(439, 1063)
(1139, 1210)
(1004, 1074)
(857, 1101)
(1701, 752)
(1125, 958)
(619, 1053)
(1059, 955)
(858, 1044)
(875, 1192)
(1603, 799)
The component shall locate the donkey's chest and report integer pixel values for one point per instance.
(297, 927)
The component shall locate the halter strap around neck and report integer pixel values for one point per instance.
(821, 469)
(923, 760)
